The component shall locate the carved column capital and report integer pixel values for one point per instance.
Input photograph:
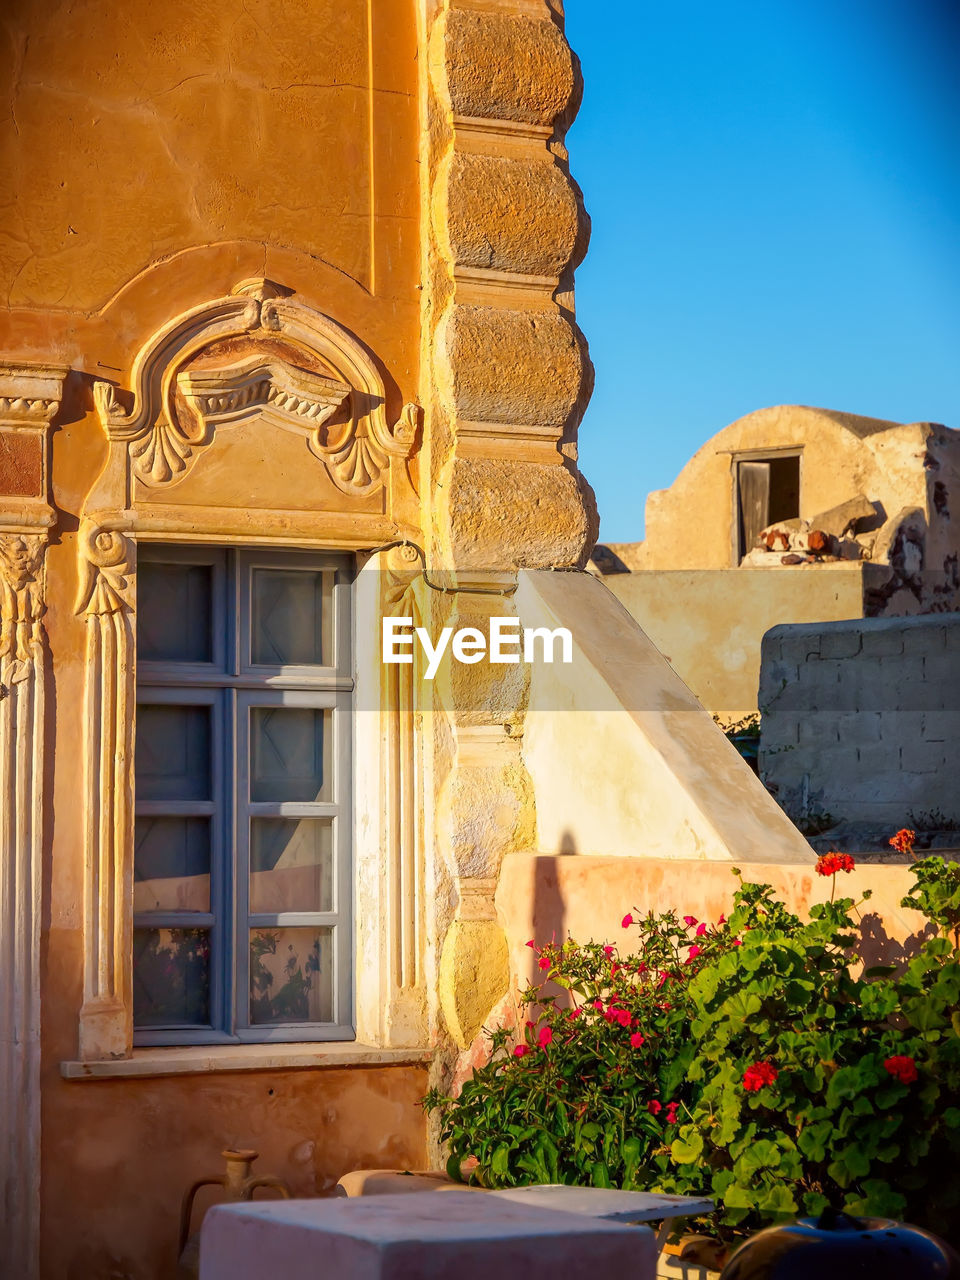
(30, 397)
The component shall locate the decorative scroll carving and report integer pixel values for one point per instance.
(177, 408)
(106, 601)
(29, 399)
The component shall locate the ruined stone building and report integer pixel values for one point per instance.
(790, 514)
(284, 284)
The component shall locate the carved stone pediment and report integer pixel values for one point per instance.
(292, 397)
(258, 353)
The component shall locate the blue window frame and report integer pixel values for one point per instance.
(243, 860)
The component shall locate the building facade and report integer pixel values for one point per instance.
(289, 306)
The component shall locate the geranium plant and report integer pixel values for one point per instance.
(744, 1058)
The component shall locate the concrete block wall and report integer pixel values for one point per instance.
(861, 721)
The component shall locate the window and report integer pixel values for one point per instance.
(242, 862)
(768, 491)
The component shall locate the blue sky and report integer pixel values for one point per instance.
(774, 189)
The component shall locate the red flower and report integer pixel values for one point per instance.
(759, 1074)
(531, 943)
(598, 1005)
(903, 840)
(521, 1051)
(627, 921)
(636, 1040)
(737, 942)
(608, 952)
(694, 952)
(543, 962)
(641, 967)
(701, 930)
(722, 920)
(901, 1068)
(690, 921)
(623, 1017)
(654, 1107)
(672, 1109)
(830, 863)
(545, 1037)
(575, 1013)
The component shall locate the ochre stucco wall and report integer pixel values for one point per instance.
(545, 896)
(160, 154)
(708, 623)
(119, 1154)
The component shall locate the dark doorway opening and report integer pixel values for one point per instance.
(768, 491)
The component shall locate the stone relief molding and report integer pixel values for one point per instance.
(106, 601)
(403, 836)
(30, 397)
(177, 410)
(21, 602)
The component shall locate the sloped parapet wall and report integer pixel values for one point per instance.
(861, 723)
(623, 758)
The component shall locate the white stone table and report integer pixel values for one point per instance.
(453, 1236)
(610, 1205)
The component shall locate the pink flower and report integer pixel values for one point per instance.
(521, 1051)
(722, 920)
(636, 1040)
(641, 967)
(598, 1005)
(623, 1017)
(654, 1107)
(545, 1037)
(737, 942)
(575, 1013)
(694, 952)
(531, 943)
(543, 962)
(627, 921)
(608, 952)
(701, 930)
(689, 921)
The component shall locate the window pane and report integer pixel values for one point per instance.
(289, 616)
(173, 753)
(171, 866)
(289, 754)
(174, 613)
(291, 975)
(291, 864)
(171, 977)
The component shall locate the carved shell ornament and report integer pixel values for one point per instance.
(178, 408)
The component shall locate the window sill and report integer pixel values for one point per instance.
(203, 1059)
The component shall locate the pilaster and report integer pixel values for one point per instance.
(29, 400)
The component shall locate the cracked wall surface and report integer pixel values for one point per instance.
(135, 131)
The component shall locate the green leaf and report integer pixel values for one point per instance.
(687, 1149)
(778, 1201)
(759, 1155)
(500, 1163)
(601, 1174)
